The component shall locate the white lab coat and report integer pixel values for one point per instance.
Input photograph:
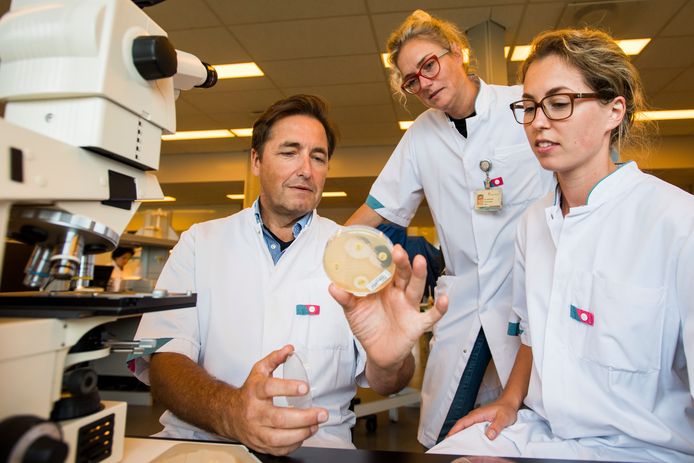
(434, 161)
(247, 307)
(621, 388)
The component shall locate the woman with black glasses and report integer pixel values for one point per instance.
(603, 279)
(471, 162)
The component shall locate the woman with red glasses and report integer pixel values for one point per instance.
(471, 162)
(603, 280)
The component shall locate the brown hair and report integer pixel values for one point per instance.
(306, 105)
(422, 24)
(606, 69)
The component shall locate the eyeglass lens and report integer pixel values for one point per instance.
(429, 69)
(555, 107)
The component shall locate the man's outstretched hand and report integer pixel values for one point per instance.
(389, 322)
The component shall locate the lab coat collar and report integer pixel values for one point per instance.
(483, 102)
(299, 226)
(607, 188)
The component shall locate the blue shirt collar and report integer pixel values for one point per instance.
(272, 244)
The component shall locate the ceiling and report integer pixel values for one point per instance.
(332, 48)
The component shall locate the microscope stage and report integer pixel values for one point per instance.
(72, 304)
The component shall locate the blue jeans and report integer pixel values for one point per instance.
(464, 399)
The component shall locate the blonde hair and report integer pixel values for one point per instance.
(605, 68)
(422, 24)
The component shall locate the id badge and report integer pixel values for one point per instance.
(489, 200)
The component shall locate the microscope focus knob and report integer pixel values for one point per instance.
(29, 439)
(154, 57)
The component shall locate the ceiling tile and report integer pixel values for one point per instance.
(249, 100)
(676, 128)
(381, 6)
(682, 83)
(672, 100)
(508, 16)
(182, 14)
(348, 35)
(236, 85)
(196, 122)
(347, 95)
(205, 146)
(681, 21)
(371, 130)
(251, 11)
(655, 80)
(363, 114)
(536, 19)
(623, 20)
(235, 120)
(325, 71)
(668, 52)
(211, 45)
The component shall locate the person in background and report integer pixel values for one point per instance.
(465, 146)
(120, 258)
(262, 294)
(603, 292)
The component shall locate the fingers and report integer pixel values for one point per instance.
(267, 388)
(457, 427)
(295, 418)
(284, 429)
(493, 430)
(270, 362)
(478, 415)
(418, 280)
(439, 310)
(403, 271)
(345, 299)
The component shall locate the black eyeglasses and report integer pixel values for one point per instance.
(429, 69)
(556, 107)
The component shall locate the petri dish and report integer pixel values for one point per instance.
(296, 369)
(359, 259)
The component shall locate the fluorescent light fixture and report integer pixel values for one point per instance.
(629, 46)
(633, 46)
(194, 211)
(246, 132)
(404, 125)
(384, 58)
(334, 194)
(198, 135)
(506, 50)
(665, 115)
(165, 199)
(326, 194)
(238, 70)
(520, 52)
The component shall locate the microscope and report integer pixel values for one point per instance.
(90, 87)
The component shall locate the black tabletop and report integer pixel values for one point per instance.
(316, 455)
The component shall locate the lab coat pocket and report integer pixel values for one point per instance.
(321, 334)
(520, 173)
(629, 322)
(622, 326)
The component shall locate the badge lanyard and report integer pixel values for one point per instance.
(489, 199)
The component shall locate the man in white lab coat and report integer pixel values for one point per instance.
(262, 294)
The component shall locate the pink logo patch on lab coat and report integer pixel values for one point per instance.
(582, 316)
(307, 309)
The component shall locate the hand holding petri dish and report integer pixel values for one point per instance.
(359, 259)
(295, 369)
